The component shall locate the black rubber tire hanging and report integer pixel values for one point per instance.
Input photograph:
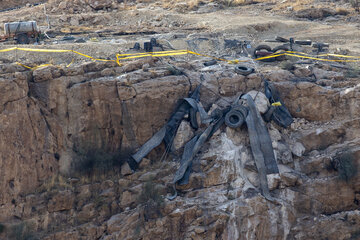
(243, 70)
(234, 119)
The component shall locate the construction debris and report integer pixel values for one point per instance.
(243, 110)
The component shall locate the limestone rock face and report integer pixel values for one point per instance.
(52, 120)
(313, 102)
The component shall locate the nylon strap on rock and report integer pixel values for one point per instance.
(261, 146)
(167, 133)
(146, 148)
(192, 148)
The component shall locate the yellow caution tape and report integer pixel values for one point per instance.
(8, 49)
(32, 68)
(20, 64)
(151, 54)
(322, 59)
(183, 52)
(324, 55)
(72, 61)
(276, 104)
(55, 51)
(144, 53)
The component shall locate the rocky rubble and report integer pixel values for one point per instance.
(55, 121)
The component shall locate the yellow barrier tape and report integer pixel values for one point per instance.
(183, 52)
(317, 57)
(72, 61)
(145, 53)
(32, 68)
(55, 51)
(8, 49)
(322, 59)
(308, 56)
(342, 56)
(160, 54)
(42, 50)
(20, 64)
(324, 55)
(276, 104)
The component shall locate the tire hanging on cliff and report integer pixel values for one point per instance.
(236, 116)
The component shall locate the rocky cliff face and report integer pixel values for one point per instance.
(65, 131)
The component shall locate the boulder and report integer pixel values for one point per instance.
(126, 170)
(273, 181)
(324, 74)
(46, 73)
(63, 200)
(280, 76)
(302, 72)
(253, 81)
(297, 149)
(261, 101)
(230, 86)
(183, 135)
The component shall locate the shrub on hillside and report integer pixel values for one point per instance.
(344, 163)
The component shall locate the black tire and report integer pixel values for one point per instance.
(243, 70)
(303, 42)
(278, 49)
(148, 47)
(210, 63)
(22, 39)
(281, 39)
(241, 108)
(136, 46)
(234, 119)
(266, 48)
